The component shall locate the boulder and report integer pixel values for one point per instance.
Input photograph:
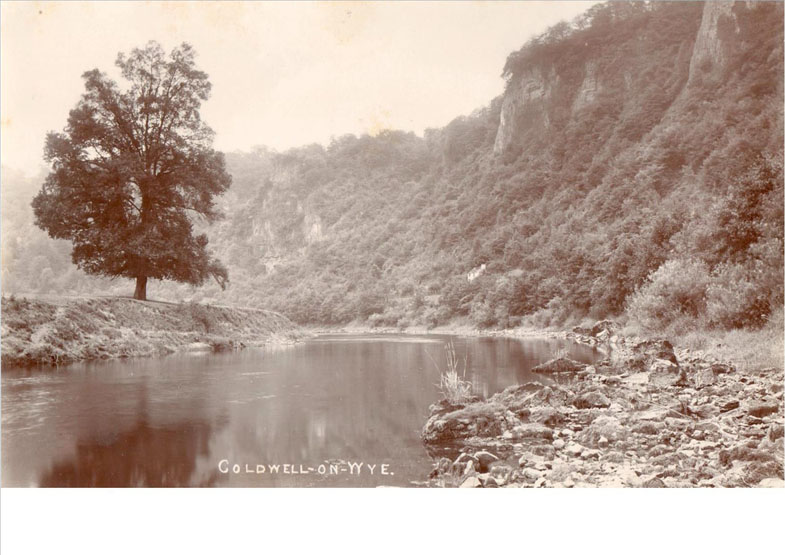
(591, 400)
(729, 405)
(704, 378)
(484, 460)
(465, 463)
(562, 364)
(663, 372)
(546, 415)
(776, 431)
(649, 427)
(654, 483)
(532, 430)
(772, 483)
(471, 482)
(655, 349)
(501, 472)
(605, 327)
(763, 408)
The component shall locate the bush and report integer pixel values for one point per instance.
(735, 300)
(673, 296)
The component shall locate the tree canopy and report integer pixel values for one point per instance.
(134, 169)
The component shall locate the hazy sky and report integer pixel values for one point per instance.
(283, 74)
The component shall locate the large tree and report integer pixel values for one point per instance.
(134, 170)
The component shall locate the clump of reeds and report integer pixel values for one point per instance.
(452, 381)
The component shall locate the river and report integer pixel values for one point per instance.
(334, 410)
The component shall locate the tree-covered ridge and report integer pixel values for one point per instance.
(632, 166)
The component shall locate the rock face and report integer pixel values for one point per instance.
(542, 92)
(710, 50)
(525, 103)
(599, 429)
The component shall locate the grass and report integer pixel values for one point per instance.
(747, 349)
(67, 330)
(454, 386)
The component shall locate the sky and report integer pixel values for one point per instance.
(284, 74)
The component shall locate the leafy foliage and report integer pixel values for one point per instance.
(130, 166)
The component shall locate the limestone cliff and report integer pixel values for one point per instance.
(572, 75)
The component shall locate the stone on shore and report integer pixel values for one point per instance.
(557, 365)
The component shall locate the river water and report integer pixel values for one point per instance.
(334, 410)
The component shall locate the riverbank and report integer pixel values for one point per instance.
(646, 416)
(61, 331)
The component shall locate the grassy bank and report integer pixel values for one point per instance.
(60, 331)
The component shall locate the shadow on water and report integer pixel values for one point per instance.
(144, 456)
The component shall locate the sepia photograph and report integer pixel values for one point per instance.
(529, 245)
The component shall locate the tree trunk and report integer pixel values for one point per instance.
(141, 288)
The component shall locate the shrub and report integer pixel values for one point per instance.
(735, 300)
(674, 295)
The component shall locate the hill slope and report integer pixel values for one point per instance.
(633, 163)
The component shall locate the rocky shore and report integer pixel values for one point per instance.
(646, 416)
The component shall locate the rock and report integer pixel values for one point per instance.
(591, 400)
(540, 483)
(654, 483)
(532, 430)
(629, 477)
(484, 460)
(531, 475)
(605, 426)
(729, 405)
(471, 482)
(562, 364)
(649, 427)
(604, 335)
(704, 378)
(603, 442)
(776, 431)
(574, 449)
(638, 378)
(719, 368)
(546, 415)
(664, 372)
(744, 453)
(489, 482)
(761, 409)
(649, 351)
(464, 464)
(602, 326)
(589, 454)
(501, 472)
(569, 483)
(558, 444)
(443, 466)
(772, 483)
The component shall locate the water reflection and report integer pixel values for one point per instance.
(143, 457)
(170, 421)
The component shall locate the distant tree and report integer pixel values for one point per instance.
(132, 171)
